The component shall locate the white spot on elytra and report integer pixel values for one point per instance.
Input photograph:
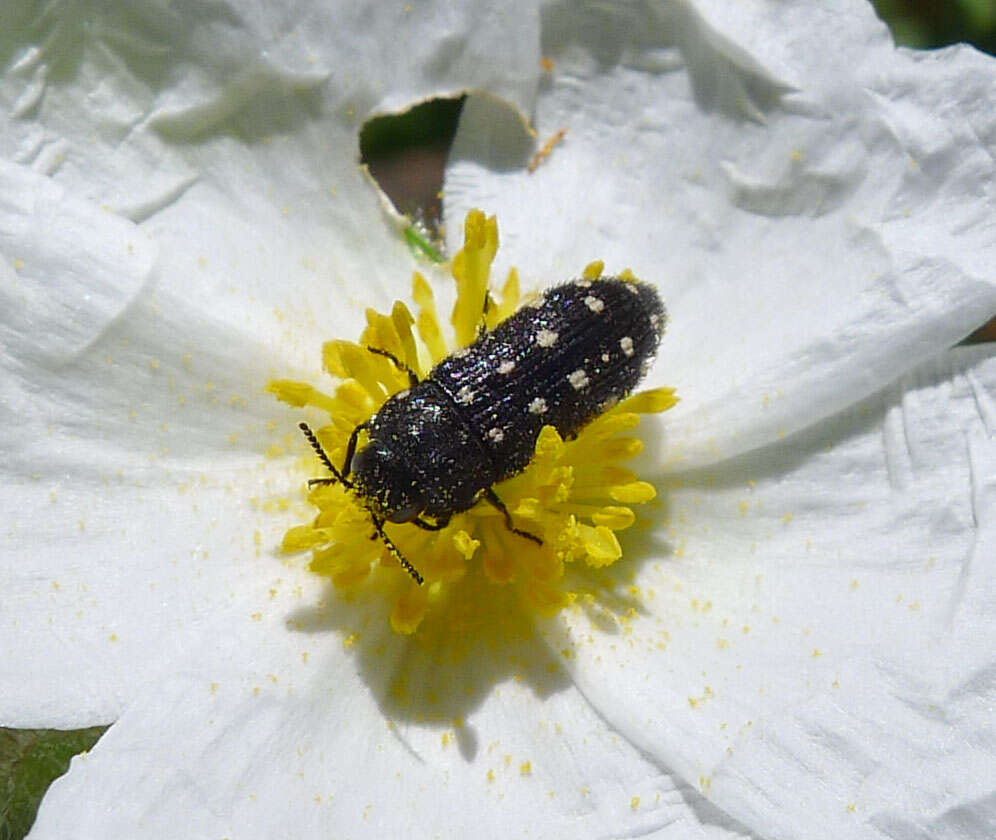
(605, 357)
(654, 320)
(632, 288)
(464, 395)
(578, 379)
(594, 304)
(506, 367)
(537, 406)
(546, 338)
(627, 345)
(496, 434)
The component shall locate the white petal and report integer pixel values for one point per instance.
(816, 653)
(140, 509)
(111, 584)
(135, 418)
(68, 269)
(368, 739)
(110, 365)
(815, 205)
(98, 95)
(130, 453)
(234, 135)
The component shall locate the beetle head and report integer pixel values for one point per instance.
(386, 483)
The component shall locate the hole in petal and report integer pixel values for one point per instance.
(406, 153)
(983, 334)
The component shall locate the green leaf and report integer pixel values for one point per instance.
(420, 243)
(30, 760)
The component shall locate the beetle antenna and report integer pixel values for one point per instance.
(320, 452)
(405, 563)
(378, 524)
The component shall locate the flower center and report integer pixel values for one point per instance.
(574, 494)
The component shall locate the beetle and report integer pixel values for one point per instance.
(440, 446)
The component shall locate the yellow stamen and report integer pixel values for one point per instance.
(574, 495)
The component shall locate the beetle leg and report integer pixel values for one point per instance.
(482, 327)
(440, 523)
(351, 447)
(400, 365)
(405, 564)
(492, 497)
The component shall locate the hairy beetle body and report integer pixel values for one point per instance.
(437, 448)
(473, 422)
(421, 457)
(559, 362)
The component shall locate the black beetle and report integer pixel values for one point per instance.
(438, 447)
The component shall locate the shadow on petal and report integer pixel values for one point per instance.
(440, 675)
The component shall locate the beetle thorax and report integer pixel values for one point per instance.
(420, 458)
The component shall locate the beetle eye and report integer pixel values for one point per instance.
(405, 514)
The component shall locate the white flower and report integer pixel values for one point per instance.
(802, 645)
